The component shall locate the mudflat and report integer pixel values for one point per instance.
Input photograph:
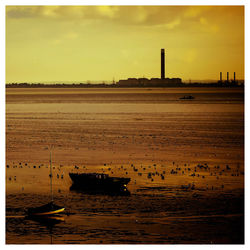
(185, 159)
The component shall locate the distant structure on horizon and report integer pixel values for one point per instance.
(228, 82)
(153, 82)
(162, 64)
(142, 82)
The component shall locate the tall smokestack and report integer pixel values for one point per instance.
(227, 76)
(234, 77)
(162, 64)
(220, 76)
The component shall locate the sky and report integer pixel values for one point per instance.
(106, 43)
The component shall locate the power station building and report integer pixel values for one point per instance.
(153, 82)
(228, 82)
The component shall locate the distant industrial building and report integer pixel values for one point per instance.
(153, 82)
(162, 64)
(228, 82)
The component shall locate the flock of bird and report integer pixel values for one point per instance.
(26, 165)
(153, 173)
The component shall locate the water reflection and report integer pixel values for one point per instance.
(48, 221)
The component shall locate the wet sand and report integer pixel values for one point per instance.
(185, 159)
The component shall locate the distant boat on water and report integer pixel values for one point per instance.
(98, 182)
(48, 209)
(187, 97)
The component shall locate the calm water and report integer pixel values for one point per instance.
(129, 133)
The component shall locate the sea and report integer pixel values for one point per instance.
(184, 158)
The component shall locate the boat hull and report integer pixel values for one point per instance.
(45, 210)
(98, 182)
(50, 212)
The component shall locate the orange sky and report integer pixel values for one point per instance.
(80, 43)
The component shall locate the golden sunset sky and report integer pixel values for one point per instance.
(80, 43)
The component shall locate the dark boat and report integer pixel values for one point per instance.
(98, 182)
(47, 209)
(187, 97)
(100, 191)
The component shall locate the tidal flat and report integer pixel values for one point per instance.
(185, 159)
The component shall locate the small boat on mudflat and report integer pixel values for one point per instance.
(187, 97)
(47, 209)
(96, 181)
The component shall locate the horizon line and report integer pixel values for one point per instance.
(110, 81)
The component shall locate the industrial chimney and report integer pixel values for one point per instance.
(220, 76)
(162, 64)
(234, 78)
(227, 76)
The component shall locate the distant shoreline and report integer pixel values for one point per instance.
(83, 85)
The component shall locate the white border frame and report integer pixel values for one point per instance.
(3, 3)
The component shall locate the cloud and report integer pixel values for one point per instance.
(20, 11)
(107, 11)
(192, 12)
(170, 25)
(196, 11)
(163, 17)
(173, 24)
(166, 17)
(62, 12)
(47, 12)
(125, 14)
(210, 27)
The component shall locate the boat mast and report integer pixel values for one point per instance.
(51, 190)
